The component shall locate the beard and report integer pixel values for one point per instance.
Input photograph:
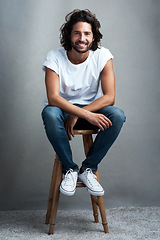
(76, 47)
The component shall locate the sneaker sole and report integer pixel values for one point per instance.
(90, 191)
(66, 192)
(95, 193)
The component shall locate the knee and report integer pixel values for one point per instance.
(51, 115)
(119, 116)
(114, 114)
(47, 113)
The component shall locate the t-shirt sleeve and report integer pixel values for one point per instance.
(51, 62)
(105, 56)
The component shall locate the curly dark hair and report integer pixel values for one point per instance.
(80, 16)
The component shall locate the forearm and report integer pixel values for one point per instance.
(100, 103)
(96, 119)
(68, 107)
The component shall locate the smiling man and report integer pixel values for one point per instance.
(81, 37)
(80, 85)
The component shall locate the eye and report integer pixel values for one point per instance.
(76, 33)
(87, 33)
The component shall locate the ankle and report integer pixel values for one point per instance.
(81, 171)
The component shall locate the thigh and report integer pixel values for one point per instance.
(53, 113)
(113, 113)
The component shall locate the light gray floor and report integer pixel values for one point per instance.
(124, 223)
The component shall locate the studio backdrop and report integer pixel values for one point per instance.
(130, 173)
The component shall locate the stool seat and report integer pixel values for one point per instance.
(85, 132)
(97, 201)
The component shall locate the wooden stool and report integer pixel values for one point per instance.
(56, 181)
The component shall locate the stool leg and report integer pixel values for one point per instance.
(55, 196)
(53, 204)
(103, 213)
(100, 203)
(51, 192)
(95, 209)
(88, 141)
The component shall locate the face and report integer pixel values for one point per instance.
(82, 37)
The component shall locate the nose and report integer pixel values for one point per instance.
(82, 37)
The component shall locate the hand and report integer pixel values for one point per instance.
(69, 124)
(99, 120)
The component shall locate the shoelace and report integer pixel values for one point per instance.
(68, 177)
(92, 178)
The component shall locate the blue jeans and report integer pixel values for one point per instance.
(54, 118)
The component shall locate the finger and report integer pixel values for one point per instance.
(101, 127)
(72, 132)
(69, 137)
(68, 133)
(107, 124)
(103, 123)
(107, 121)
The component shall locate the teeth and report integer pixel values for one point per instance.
(82, 44)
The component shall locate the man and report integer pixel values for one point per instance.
(75, 76)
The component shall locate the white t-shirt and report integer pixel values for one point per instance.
(79, 83)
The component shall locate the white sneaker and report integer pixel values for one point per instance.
(68, 184)
(90, 180)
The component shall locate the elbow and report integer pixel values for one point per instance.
(112, 101)
(52, 100)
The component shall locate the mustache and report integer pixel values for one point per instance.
(82, 42)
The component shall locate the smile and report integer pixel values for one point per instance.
(81, 44)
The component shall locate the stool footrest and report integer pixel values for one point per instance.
(80, 184)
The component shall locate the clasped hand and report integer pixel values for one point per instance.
(94, 118)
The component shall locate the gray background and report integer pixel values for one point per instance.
(130, 173)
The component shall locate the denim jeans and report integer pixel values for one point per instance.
(54, 118)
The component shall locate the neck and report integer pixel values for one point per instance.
(77, 58)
